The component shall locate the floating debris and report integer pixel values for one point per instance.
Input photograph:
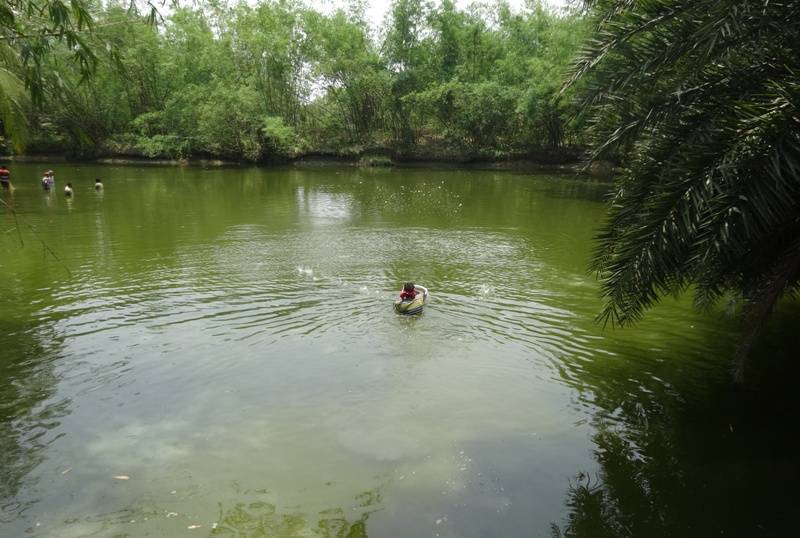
(172, 514)
(65, 471)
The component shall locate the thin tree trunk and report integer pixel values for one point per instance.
(757, 313)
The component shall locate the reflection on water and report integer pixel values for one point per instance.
(691, 455)
(29, 410)
(226, 341)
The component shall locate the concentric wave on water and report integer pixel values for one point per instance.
(256, 287)
(226, 338)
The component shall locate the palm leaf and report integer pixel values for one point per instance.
(699, 100)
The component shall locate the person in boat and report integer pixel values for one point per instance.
(98, 185)
(5, 177)
(68, 190)
(409, 292)
(412, 298)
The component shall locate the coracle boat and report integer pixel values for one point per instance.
(409, 307)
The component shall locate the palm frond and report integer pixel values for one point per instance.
(700, 101)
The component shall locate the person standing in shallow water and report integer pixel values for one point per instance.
(68, 190)
(5, 177)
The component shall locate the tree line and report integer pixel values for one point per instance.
(280, 79)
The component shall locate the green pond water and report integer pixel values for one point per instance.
(225, 339)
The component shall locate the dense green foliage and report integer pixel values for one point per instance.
(280, 79)
(28, 34)
(701, 99)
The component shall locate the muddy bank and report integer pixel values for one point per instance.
(122, 160)
(597, 169)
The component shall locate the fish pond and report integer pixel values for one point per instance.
(214, 352)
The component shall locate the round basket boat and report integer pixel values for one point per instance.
(410, 307)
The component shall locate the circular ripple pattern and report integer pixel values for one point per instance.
(225, 339)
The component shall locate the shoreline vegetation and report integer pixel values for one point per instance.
(280, 82)
(599, 169)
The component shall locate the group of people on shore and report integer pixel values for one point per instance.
(48, 181)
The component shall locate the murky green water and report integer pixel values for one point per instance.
(225, 339)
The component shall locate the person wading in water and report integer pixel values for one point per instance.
(5, 177)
